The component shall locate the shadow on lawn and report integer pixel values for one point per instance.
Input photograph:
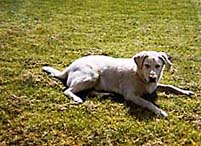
(133, 109)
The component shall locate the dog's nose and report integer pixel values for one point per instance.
(152, 79)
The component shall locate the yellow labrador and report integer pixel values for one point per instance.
(130, 77)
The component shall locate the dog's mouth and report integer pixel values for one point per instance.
(152, 79)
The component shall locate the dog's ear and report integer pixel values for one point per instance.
(139, 58)
(165, 58)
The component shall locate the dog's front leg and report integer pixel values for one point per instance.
(146, 104)
(173, 89)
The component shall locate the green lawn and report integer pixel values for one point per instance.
(33, 110)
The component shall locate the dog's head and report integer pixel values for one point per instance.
(150, 65)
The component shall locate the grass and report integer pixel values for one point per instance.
(33, 110)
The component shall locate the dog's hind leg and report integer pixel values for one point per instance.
(99, 93)
(71, 92)
(79, 81)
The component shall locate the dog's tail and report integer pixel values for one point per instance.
(61, 75)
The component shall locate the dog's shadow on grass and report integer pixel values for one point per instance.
(140, 113)
(133, 109)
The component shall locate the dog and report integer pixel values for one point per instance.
(130, 77)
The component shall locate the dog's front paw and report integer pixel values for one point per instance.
(188, 93)
(162, 113)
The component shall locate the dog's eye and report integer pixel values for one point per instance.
(157, 66)
(147, 65)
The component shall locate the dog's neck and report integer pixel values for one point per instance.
(150, 87)
(145, 88)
